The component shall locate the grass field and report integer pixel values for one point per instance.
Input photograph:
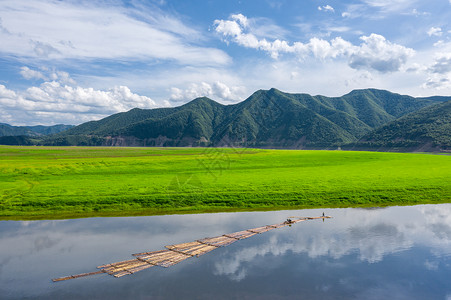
(64, 182)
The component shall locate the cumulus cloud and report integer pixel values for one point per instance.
(28, 74)
(57, 101)
(439, 72)
(62, 77)
(442, 64)
(216, 90)
(6, 94)
(99, 30)
(435, 31)
(46, 74)
(53, 96)
(379, 54)
(437, 82)
(326, 8)
(375, 52)
(235, 28)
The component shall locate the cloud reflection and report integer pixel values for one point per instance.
(349, 246)
(371, 235)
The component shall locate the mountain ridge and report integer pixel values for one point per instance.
(37, 130)
(266, 119)
(428, 129)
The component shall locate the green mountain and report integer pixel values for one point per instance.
(9, 130)
(428, 129)
(268, 118)
(46, 130)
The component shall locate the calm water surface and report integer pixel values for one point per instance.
(390, 253)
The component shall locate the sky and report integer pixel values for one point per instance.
(68, 62)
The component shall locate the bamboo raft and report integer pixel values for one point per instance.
(173, 254)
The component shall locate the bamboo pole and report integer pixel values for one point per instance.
(77, 276)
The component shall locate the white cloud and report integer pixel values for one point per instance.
(379, 54)
(326, 8)
(439, 82)
(390, 5)
(435, 31)
(417, 13)
(346, 14)
(339, 28)
(55, 102)
(216, 91)
(46, 74)
(241, 19)
(230, 27)
(380, 9)
(234, 29)
(53, 96)
(28, 74)
(99, 30)
(439, 43)
(260, 27)
(354, 11)
(439, 71)
(62, 77)
(374, 53)
(442, 64)
(6, 94)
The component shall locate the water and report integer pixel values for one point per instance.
(391, 253)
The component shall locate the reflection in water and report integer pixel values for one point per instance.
(371, 243)
(177, 253)
(44, 242)
(395, 253)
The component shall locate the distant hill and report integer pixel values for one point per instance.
(9, 130)
(428, 129)
(268, 118)
(46, 130)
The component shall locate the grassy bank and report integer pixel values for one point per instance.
(62, 182)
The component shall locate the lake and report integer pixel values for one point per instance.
(391, 253)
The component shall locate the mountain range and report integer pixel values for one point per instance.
(425, 130)
(362, 119)
(38, 130)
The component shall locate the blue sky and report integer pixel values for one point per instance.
(74, 61)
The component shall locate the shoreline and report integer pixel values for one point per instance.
(188, 211)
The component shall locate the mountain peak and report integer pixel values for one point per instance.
(202, 101)
(366, 91)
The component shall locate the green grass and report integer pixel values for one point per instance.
(64, 182)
